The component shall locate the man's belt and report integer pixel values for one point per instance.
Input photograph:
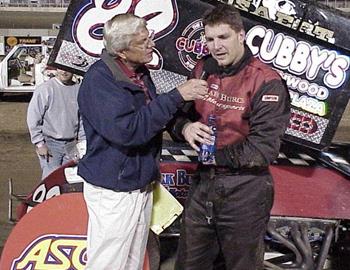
(225, 170)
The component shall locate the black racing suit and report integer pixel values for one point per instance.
(229, 204)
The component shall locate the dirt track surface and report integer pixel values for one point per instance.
(19, 162)
(17, 157)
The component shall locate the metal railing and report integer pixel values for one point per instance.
(35, 3)
(336, 3)
(65, 3)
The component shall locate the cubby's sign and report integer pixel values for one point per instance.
(308, 44)
(316, 76)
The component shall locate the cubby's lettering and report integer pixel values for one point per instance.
(298, 57)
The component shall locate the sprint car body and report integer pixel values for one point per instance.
(309, 222)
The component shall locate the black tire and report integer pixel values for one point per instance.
(340, 251)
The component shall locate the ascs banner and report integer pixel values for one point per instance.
(306, 43)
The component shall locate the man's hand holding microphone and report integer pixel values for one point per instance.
(193, 89)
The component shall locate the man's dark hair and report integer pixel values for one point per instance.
(224, 14)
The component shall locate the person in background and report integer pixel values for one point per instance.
(229, 202)
(39, 69)
(53, 120)
(123, 118)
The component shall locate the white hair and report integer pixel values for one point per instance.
(118, 31)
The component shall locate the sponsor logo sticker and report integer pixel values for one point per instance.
(53, 252)
(270, 98)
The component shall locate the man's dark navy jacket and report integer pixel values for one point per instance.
(123, 131)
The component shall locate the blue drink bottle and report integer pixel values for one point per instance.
(207, 151)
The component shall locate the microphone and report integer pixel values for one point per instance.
(204, 75)
(210, 67)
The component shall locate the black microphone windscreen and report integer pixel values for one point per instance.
(210, 67)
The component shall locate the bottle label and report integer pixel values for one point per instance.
(207, 152)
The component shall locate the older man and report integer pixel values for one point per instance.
(123, 119)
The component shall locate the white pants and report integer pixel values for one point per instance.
(118, 228)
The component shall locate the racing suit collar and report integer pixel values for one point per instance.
(233, 69)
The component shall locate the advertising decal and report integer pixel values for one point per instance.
(11, 41)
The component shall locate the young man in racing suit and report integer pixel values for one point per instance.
(229, 202)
